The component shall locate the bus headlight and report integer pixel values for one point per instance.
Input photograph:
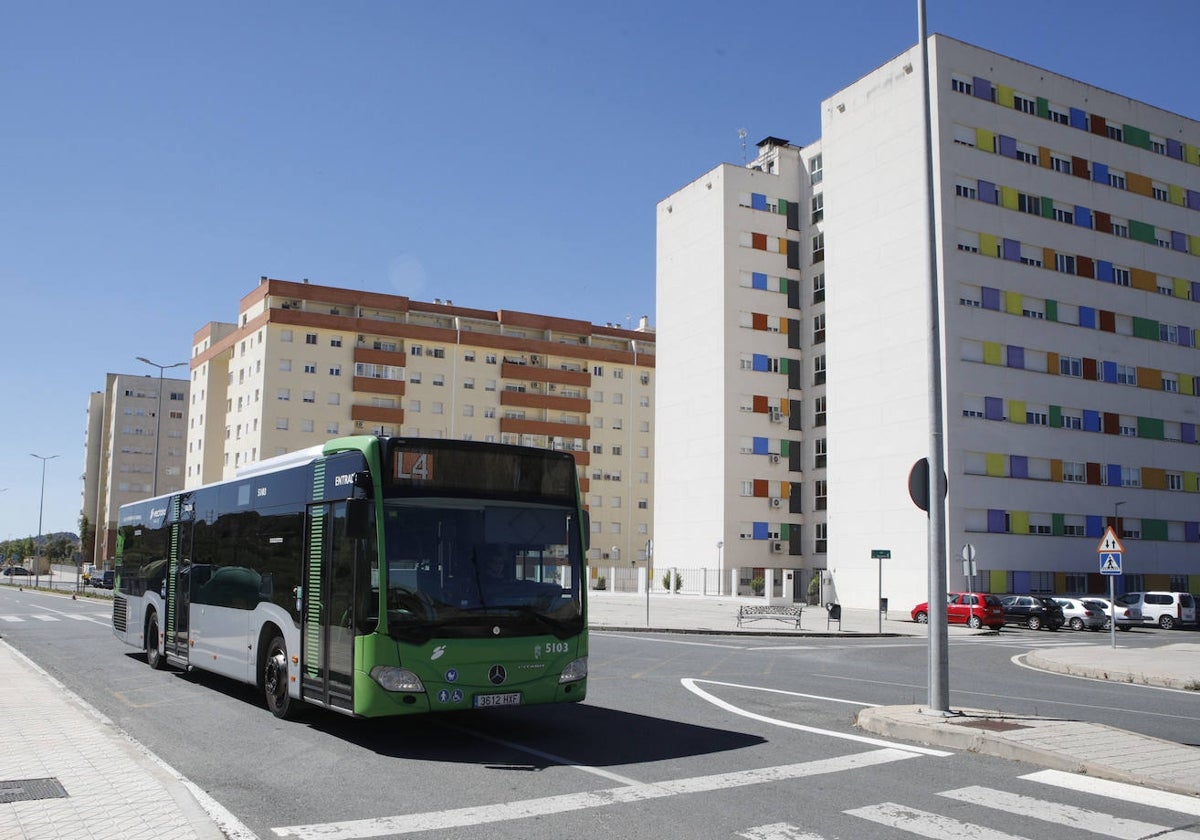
(397, 679)
(575, 670)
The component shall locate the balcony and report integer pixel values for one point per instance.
(371, 385)
(536, 373)
(369, 356)
(377, 414)
(537, 399)
(543, 427)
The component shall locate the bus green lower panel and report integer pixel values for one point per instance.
(455, 672)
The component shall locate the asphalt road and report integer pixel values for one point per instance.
(680, 737)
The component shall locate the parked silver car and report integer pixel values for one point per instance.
(1127, 616)
(1081, 614)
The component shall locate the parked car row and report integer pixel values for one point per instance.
(1167, 610)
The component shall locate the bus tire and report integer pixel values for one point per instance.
(275, 678)
(153, 657)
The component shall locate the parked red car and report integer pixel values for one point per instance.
(974, 609)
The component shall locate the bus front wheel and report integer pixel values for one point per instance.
(275, 678)
(153, 658)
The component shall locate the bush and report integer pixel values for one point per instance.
(666, 581)
(601, 582)
(757, 585)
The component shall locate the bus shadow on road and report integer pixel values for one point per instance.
(536, 737)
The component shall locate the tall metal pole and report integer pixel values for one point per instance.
(939, 662)
(37, 548)
(158, 417)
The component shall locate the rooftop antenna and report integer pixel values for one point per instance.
(742, 137)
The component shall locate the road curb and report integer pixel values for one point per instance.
(1125, 675)
(955, 731)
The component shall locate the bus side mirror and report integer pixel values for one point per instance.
(358, 518)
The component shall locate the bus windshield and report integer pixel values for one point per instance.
(459, 568)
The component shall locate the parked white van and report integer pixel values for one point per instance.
(1166, 609)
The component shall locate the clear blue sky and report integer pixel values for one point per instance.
(157, 158)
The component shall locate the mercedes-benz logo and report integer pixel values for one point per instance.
(497, 674)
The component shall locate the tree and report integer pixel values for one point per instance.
(87, 538)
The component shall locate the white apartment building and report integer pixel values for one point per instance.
(304, 363)
(1068, 249)
(740, 442)
(133, 427)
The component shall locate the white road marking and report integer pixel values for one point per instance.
(1118, 790)
(927, 824)
(650, 637)
(565, 762)
(545, 806)
(690, 685)
(11, 619)
(777, 831)
(47, 618)
(1061, 813)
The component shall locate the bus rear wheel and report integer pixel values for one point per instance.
(275, 679)
(153, 658)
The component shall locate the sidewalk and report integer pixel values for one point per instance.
(1074, 746)
(67, 772)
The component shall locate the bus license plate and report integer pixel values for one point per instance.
(483, 701)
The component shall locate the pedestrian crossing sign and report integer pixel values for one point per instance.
(1110, 564)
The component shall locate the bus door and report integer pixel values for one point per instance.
(328, 619)
(179, 593)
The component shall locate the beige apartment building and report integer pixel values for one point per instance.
(304, 363)
(136, 425)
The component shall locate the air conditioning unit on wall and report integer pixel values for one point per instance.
(776, 502)
(774, 458)
(776, 547)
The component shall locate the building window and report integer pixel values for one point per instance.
(819, 411)
(284, 394)
(1065, 216)
(1059, 164)
(1170, 382)
(1121, 276)
(1072, 421)
(1070, 366)
(819, 370)
(309, 367)
(818, 248)
(819, 453)
(336, 370)
(415, 350)
(1126, 375)
(966, 190)
(1174, 481)
(280, 423)
(1031, 204)
(961, 86)
(816, 168)
(819, 328)
(309, 396)
(818, 207)
(1074, 472)
(1115, 132)
(820, 494)
(439, 379)
(1064, 263)
(310, 338)
(821, 532)
(336, 341)
(1027, 106)
(1116, 179)
(818, 288)
(1036, 418)
(334, 398)
(1118, 229)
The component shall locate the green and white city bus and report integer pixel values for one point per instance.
(372, 576)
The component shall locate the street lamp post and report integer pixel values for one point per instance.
(158, 416)
(37, 548)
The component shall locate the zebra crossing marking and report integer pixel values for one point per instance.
(1061, 813)
(927, 824)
